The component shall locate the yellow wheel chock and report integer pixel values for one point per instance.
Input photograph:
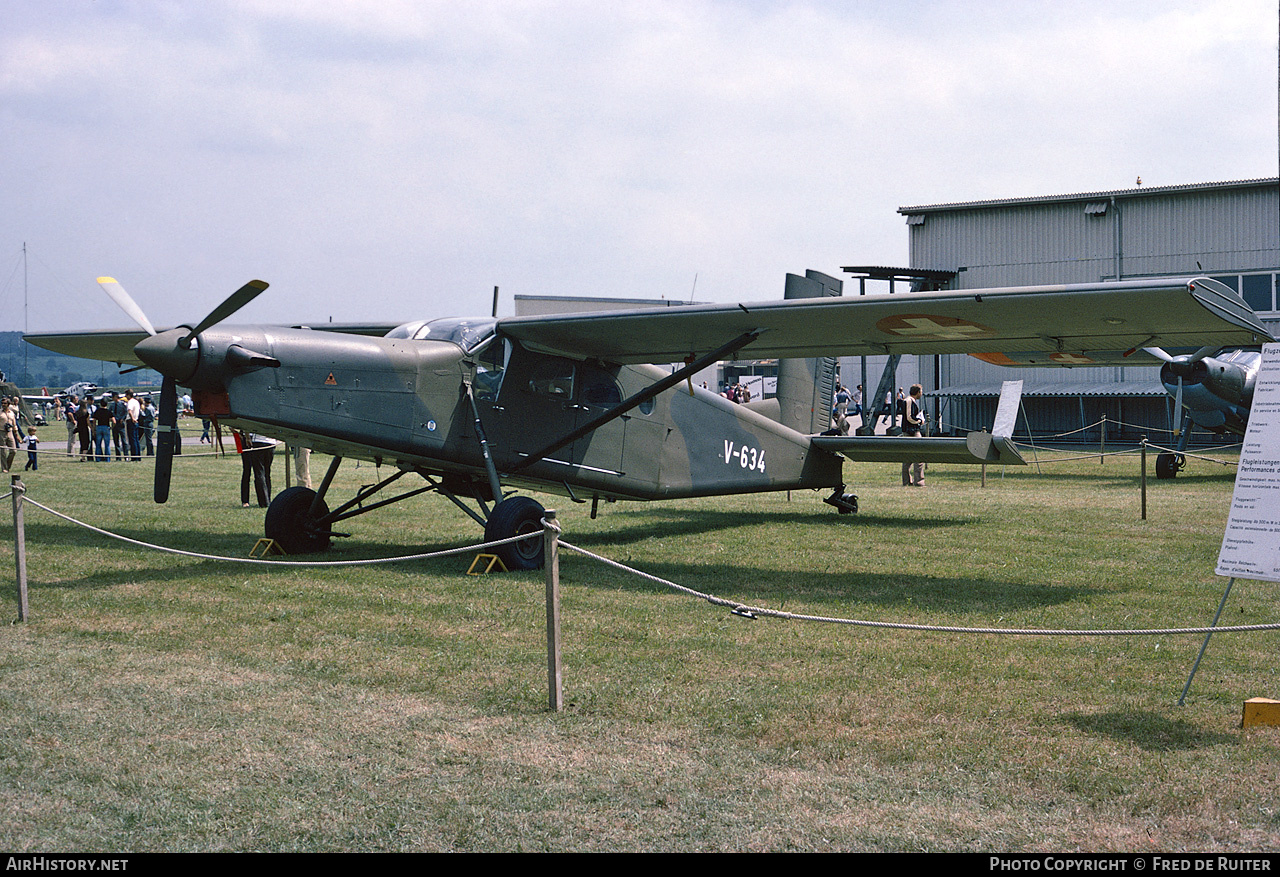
(490, 561)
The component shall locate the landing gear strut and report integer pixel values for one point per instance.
(300, 521)
(1168, 465)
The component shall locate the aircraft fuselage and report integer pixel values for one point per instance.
(405, 401)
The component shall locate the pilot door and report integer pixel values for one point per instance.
(543, 398)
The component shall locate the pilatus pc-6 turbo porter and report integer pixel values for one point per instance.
(578, 404)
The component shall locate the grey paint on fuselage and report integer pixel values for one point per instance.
(403, 400)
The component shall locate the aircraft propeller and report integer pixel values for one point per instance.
(173, 360)
(1180, 367)
(1179, 363)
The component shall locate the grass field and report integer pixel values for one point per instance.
(161, 703)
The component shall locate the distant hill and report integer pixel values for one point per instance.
(32, 368)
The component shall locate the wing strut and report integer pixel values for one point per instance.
(643, 396)
(495, 484)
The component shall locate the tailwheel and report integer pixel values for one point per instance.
(511, 517)
(292, 525)
(1169, 465)
(845, 503)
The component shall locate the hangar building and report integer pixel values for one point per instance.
(1229, 231)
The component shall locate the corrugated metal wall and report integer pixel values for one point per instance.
(1232, 228)
(1228, 227)
(1015, 246)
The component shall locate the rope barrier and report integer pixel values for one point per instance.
(89, 457)
(1196, 456)
(747, 609)
(1128, 452)
(738, 608)
(264, 562)
(1139, 427)
(957, 427)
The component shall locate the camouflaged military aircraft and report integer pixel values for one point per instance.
(578, 404)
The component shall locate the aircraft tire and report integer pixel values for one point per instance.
(289, 522)
(511, 517)
(1168, 465)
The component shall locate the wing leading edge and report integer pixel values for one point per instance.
(1077, 324)
(117, 346)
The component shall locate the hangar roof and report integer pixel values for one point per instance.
(1140, 192)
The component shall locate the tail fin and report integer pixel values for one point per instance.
(806, 386)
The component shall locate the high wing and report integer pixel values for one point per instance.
(107, 346)
(1076, 324)
(117, 345)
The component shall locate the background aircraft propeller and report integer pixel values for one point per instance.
(167, 439)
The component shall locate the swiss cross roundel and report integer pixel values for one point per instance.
(927, 327)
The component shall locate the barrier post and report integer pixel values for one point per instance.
(19, 544)
(1102, 442)
(551, 563)
(1144, 478)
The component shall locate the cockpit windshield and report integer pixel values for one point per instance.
(466, 332)
(1244, 357)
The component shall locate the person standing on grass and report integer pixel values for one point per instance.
(133, 410)
(9, 442)
(912, 422)
(84, 415)
(256, 456)
(102, 422)
(69, 406)
(119, 415)
(33, 445)
(147, 425)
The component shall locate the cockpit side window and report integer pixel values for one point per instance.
(491, 365)
(599, 389)
(552, 377)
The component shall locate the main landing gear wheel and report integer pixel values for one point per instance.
(1169, 465)
(291, 524)
(511, 517)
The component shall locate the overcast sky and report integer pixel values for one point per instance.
(395, 160)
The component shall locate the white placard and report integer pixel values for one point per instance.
(1007, 408)
(1251, 543)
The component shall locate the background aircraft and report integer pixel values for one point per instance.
(577, 404)
(1212, 389)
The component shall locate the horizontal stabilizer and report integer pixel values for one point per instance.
(976, 447)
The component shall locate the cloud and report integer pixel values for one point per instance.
(398, 159)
